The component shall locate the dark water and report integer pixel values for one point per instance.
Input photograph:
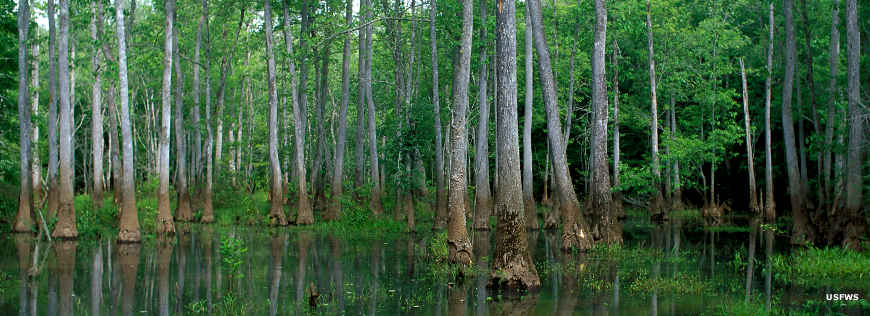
(689, 270)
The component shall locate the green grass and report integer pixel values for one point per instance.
(816, 267)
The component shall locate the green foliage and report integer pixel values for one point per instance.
(232, 251)
(816, 267)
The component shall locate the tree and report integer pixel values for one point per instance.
(334, 207)
(656, 207)
(51, 202)
(207, 205)
(303, 207)
(129, 227)
(97, 108)
(183, 211)
(377, 189)
(24, 220)
(528, 177)
(617, 196)
(601, 199)
(458, 243)
(440, 193)
(165, 224)
(833, 64)
(276, 209)
(753, 193)
(512, 265)
(482, 194)
(66, 216)
(802, 231)
(575, 230)
(856, 228)
(769, 207)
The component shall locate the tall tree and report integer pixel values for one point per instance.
(24, 220)
(377, 188)
(834, 65)
(129, 227)
(66, 216)
(512, 265)
(276, 209)
(656, 207)
(440, 193)
(575, 230)
(334, 208)
(617, 196)
(304, 213)
(195, 112)
(207, 206)
(183, 211)
(769, 207)
(528, 177)
(359, 145)
(458, 243)
(601, 199)
(51, 202)
(97, 108)
(482, 194)
(802, 231)
(856, 229)
(813, 111)
(165, 224)
(36, 166)
(753, 193)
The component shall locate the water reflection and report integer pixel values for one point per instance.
(292, 272)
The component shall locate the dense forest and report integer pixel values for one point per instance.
(134, 117)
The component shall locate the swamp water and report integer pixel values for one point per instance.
(675, 268)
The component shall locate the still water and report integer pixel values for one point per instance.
(674, 268)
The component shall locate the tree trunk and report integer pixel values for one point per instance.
(66, 216)
(482, 194)
(856, 229)
(656, 205)
(334, 208)
(114, 146)
(359, 149)
(164, 222)
(753, 193)
(317, 174)
(833, 64)
(304, 214)
(528, 177)
(51, 203)
(24, 220)
(440, 193)
(575, 230)
(458, 244)
(129, 226)
(815, 117)
(276, 210)
(207, 207)
(512, 265)
(36, 166)
(617, 195)
(97, 111)
(183, 212)
(802, 231)
(197, 128)
(377, 190)
(769, 207)
(601, 200)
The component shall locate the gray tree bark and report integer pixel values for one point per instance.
(769, 207)
(36, 165)
(575, 230)
(97, 108)
(606, 227)
(303, 207)
(440, 193)
(183, 211)
(482, 194)
(129, 227)
(51, 202)
(276, 209)
(66, 216)
(24, 220)
(165, 224)
(207, 206)
(512, 265)
(617, 196)
(377, 190)
(857, 226)
(458, 243)
(802, 231)
(195, 113)
(334, 208)
(656, 204)
(528, 177)
(750, 159)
